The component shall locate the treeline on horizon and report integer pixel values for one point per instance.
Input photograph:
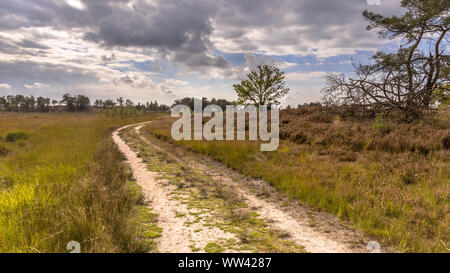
(71, 103)
(81, 103)
(223, 103)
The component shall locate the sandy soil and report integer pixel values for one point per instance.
(176, 236)
(318, 232)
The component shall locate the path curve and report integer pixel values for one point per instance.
(177, 239)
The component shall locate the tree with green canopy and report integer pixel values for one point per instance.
(264, 86)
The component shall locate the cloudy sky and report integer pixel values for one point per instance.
(167, 49)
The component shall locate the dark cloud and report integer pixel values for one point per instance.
(108, 59)
(176, 28)
(181, 30)
(171, 24)
(166, 90)
(200, 60)
(54, 13)
(135, 80)
(21, 48)
(297, 24)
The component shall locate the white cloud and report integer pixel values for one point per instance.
(175, 82)
(36, 85)
(76, 4)
(4, 86)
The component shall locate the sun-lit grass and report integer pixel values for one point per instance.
(62, 179)
(390, 180)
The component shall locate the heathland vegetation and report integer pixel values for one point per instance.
(62, 179)
(375, 151)
(389, 179)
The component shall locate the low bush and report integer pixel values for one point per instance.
(15, 136)
(446, 142)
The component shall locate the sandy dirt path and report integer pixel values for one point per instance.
(328, 236)
(176, 236)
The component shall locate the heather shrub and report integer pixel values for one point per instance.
(14, 136)
(446, 142)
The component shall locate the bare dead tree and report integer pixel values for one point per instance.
(405, 80)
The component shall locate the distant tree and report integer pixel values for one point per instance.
(265, 85)
(129, 103)
(407, 79)
(120, 101)
(185, 101)
(83, 103)
(3, 103)
(205, 102)
(70, 102)
(20, 100)
(12, 103)
(109, 104)
(43, 104)
(98, 103)
(28, 104)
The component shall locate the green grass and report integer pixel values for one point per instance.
(392, 184)
(63, 179)
(213, 248)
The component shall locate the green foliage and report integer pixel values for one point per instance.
(205, 102)
(380, 125)
(264, 86)
(442, 96)
(213, 248)
(123, 112)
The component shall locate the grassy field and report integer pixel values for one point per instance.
(389, 179)
(62, 179)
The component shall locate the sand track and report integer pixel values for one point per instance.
(325, 236)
